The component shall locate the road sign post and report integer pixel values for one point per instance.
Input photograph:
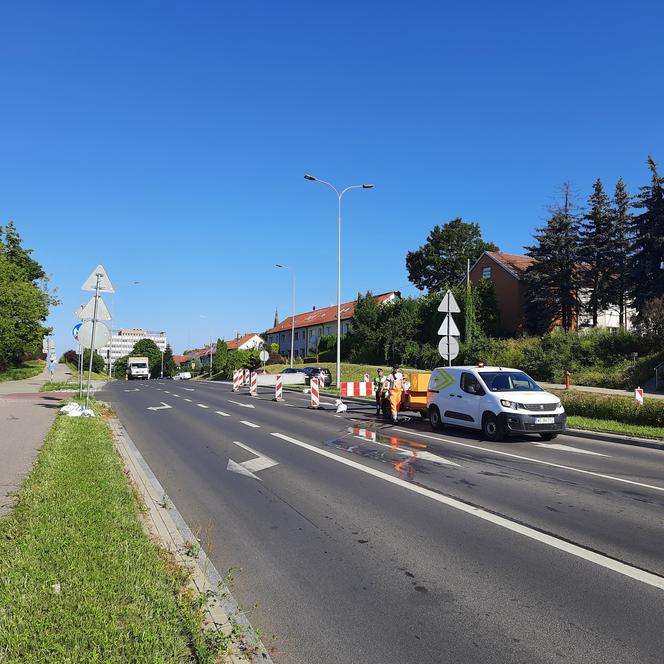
(98, 280)
(448, 346)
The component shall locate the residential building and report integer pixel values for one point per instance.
(312, 325)
(124, 340)
(247, 341)
(506, 272)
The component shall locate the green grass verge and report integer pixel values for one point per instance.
(55, 387)
(76, 524)
(28, 369)
(95, 376)
(612, 426)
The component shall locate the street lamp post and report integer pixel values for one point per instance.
(340, 195)
(292, 334)
(162, 364)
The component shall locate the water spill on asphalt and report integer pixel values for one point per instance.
(406, 457)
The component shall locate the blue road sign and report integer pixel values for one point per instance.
(75, 330)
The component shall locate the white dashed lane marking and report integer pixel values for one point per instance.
(202, 405)
(250, 424)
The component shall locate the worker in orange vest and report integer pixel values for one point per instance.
(395, 383)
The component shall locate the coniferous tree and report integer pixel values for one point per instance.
(647, 275)
(621, 232)
(552, 281)
(596, 253)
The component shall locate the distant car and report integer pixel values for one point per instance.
(322, 373)
(185, 375)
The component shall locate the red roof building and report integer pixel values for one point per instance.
(310, 326)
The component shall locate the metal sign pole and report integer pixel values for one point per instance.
(449, 350)
(80, 370)
(92, 343)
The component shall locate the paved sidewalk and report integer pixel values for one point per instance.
(26, 415)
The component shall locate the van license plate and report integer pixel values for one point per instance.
(545, 420)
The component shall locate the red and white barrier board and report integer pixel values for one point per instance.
(237, 379)
(246, 376)
(357, 389)
(279, 389)
(638, 395)
(253, 387)
(315, 394)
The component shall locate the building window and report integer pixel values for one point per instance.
(486, 273)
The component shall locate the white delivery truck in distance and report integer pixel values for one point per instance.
(497, 400)
(138, 368)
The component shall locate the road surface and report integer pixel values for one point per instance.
(354, 541)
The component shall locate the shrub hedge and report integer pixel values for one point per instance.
(621, 409)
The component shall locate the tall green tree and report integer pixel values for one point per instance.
(441, 261)
(622, 240)
(220, 358)
(647, 275)
(16, 254)
(365, 337)
(170, 368)
(597, 253)
(552, 280)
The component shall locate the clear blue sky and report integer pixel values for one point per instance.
(168, 140)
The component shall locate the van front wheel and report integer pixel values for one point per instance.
(491, 428)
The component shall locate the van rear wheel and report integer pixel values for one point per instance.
(434, 418)
(491, 428)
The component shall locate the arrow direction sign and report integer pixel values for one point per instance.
(90, 284)
(449, 304)
(249, 468)
(452, 331)
(163, 406)
(87, 311)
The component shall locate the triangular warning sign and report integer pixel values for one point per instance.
(453, 329)
(105, 284)
(87, 312)
(449, 304)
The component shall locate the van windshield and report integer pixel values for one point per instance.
(139, 365)
(509, 381)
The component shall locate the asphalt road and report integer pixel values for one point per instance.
(368, 543)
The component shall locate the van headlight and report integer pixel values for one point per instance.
(510, 404)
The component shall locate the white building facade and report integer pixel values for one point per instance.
(124, 340)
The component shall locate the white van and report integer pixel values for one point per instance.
(497, 400)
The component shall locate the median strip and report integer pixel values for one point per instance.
(79, 579)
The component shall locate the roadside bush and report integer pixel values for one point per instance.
(622, 409)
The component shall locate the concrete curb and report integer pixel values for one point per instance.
(165, 522)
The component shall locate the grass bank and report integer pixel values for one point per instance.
(612, 426)
(95, 376)
(28, 369)
(79, 579)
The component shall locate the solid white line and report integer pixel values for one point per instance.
(189, 400)
(219, 412)
(549, 540)
(202, 405)
(250, 424)
(545, 463)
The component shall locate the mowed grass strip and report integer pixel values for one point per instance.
(612, 426)
(28, 369)
(76, 524)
